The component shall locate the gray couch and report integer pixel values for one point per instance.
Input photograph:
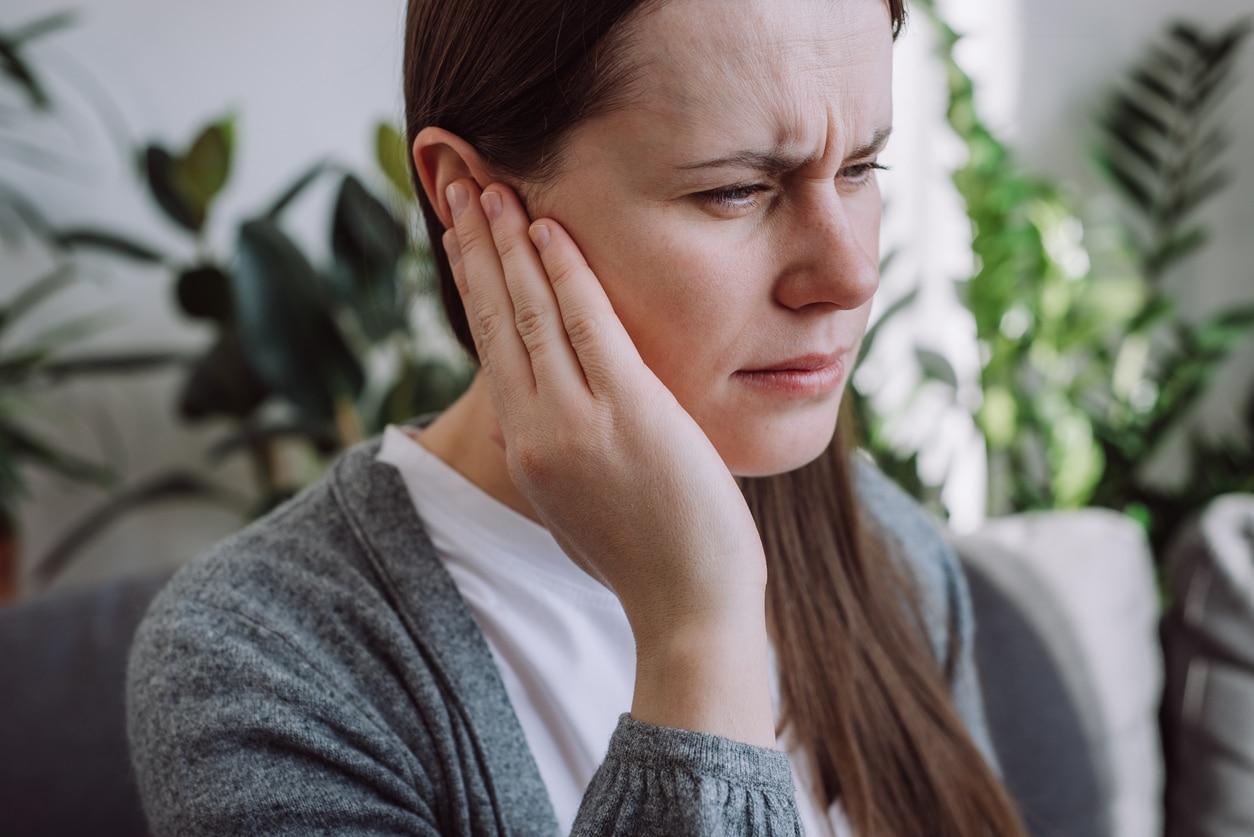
(1067, 643)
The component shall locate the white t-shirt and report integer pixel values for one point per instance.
(560, 639)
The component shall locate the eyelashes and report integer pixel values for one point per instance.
(746, 195)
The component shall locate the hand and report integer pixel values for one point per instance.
(626, 481)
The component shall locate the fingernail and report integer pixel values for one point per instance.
(540, 236)
(457, 198)
(491, 205)
(452, 248)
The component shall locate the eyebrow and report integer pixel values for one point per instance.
(778, 162)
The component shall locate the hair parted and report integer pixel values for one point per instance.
(861, 691)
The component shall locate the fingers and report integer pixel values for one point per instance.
(604, 350)
(480, 279)
(541, 321)
(536, 315)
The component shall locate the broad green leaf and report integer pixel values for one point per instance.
(392, 155)
(222, 382)
(368, 244)
(205, 167)
(160, 172)
(204, 292)
(288, 334)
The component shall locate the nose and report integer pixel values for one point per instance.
(831, 253)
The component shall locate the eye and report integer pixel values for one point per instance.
(861, 173)
(741, 197)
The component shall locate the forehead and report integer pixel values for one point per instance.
(713, 74)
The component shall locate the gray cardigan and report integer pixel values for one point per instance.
(319, 672)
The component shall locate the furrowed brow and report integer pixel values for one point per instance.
(878, 140)
(768, 162)
(778, 162)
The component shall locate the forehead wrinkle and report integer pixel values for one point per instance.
(709, 85)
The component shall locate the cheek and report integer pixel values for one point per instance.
(686, 301)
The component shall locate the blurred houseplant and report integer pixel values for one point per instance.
(1086, 365)
(32, 357)
(304, 359)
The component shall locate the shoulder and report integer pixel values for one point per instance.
(941, 587)
(916, 540)
(273, 654)
(285, 573)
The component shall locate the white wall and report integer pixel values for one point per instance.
(309, 79)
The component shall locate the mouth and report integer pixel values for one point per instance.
(804, 376)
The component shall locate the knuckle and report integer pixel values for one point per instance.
(584, 329)
(491, 325)
(530, 320)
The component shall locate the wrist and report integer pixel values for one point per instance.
(708, 675)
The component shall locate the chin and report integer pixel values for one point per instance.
(776, 445)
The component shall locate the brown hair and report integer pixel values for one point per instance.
(861, 690)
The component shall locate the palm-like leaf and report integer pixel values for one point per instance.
(1158, 145)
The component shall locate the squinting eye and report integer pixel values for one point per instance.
(861, 173)
(734, 197)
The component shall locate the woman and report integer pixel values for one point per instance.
(440, 637)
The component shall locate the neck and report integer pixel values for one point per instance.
(462, 437)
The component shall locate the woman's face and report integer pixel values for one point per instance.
(731, 211)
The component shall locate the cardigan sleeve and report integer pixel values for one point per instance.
(234, 729)
(662, 781)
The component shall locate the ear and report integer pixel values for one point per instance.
(440, 157)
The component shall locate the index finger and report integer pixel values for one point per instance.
(604, 348)
(480, 280)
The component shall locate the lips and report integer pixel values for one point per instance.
(804, 363)
(804, 376)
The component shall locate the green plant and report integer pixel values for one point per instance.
(296, 348)
(1037, 317)
(294, 341)
(1162, 147)
(1086, 363)
(32, 363)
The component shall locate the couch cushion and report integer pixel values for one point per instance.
(1083, 581)
(65, 768)
(1046, 763)
(1208, 707)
